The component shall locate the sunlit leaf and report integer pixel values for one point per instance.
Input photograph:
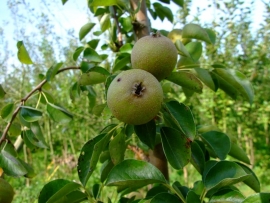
(187, 80)
(105, 22)
(104, 2)
(85, 30)
(176, 147)
(91, 55)
(93, 43)
(205, 77)
(30, 114)
(121, 63)
(117, 147)
(147, 133)
(22, 54)
(258, 198)
(135, 174)
(59, 114)
(181, 48)
(53, 71)
(77, 53)
(195, 31)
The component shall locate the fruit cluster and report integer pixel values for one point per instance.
(135, 96)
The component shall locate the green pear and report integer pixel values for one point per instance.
(6, 191)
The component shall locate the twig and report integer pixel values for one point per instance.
(24, 99)
(119, 31)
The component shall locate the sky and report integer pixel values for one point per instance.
(73, 15)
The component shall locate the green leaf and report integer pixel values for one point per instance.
(211, 34)
(9, 162)
(30, 114)
(104, 2)
(195, 31)
(163, 12)
(179, 2)
(15, 129)
(7, 110)
(89, 156)
(93, 43)
(126, 23)
(2, 92)
(192, 197)
(58, 114)
(105, 170)
(61, 191)
(85, 30)
(147, 133)
(197, 157)
(117, 147)
(228, 196)
(22, 54)
(205, 77)
(258, 198)
(126, 48)
(253, 182)
(35, 127)
(105, 22)
(183, 118)
(223, 173)
(218, 142)
(186, 80)
(53, 71)
(135, 174)
(165, 198)
(64, 1)
(91, 55)
(74, 91)
(176, 147)
(77, 53)
(181, 48)
(30, 171)
(234, 83)
(195, 50)
(121, 63)
(33, 139)
(237, 152)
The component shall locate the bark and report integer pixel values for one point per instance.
(142, 28)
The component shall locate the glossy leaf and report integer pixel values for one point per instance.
(85, 30)
(228, 196)
(224, 173)
(218, 142)
(135, 174)
(195, 51)
(197, 157)
(53, 71)
(2, 92)
(234, 83)
(258, 198)
(126, 23)
(22, 54)
(9, 162)
(77, 53)
(91, 55)
(183, 118)
(147, 133)
(192, 197)
(105, 22)
(34, 140)
(89, 156)
(176, 147)
(58, 114)
(205, 77)
(165, 198)
(7, 110)
(253, 182)
(117, 147)
(186, 80)
(30, 114)
(58, 191)
(195, 31)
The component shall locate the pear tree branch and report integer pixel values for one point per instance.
(24, 99)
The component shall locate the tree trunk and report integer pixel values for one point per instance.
(142, 28)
